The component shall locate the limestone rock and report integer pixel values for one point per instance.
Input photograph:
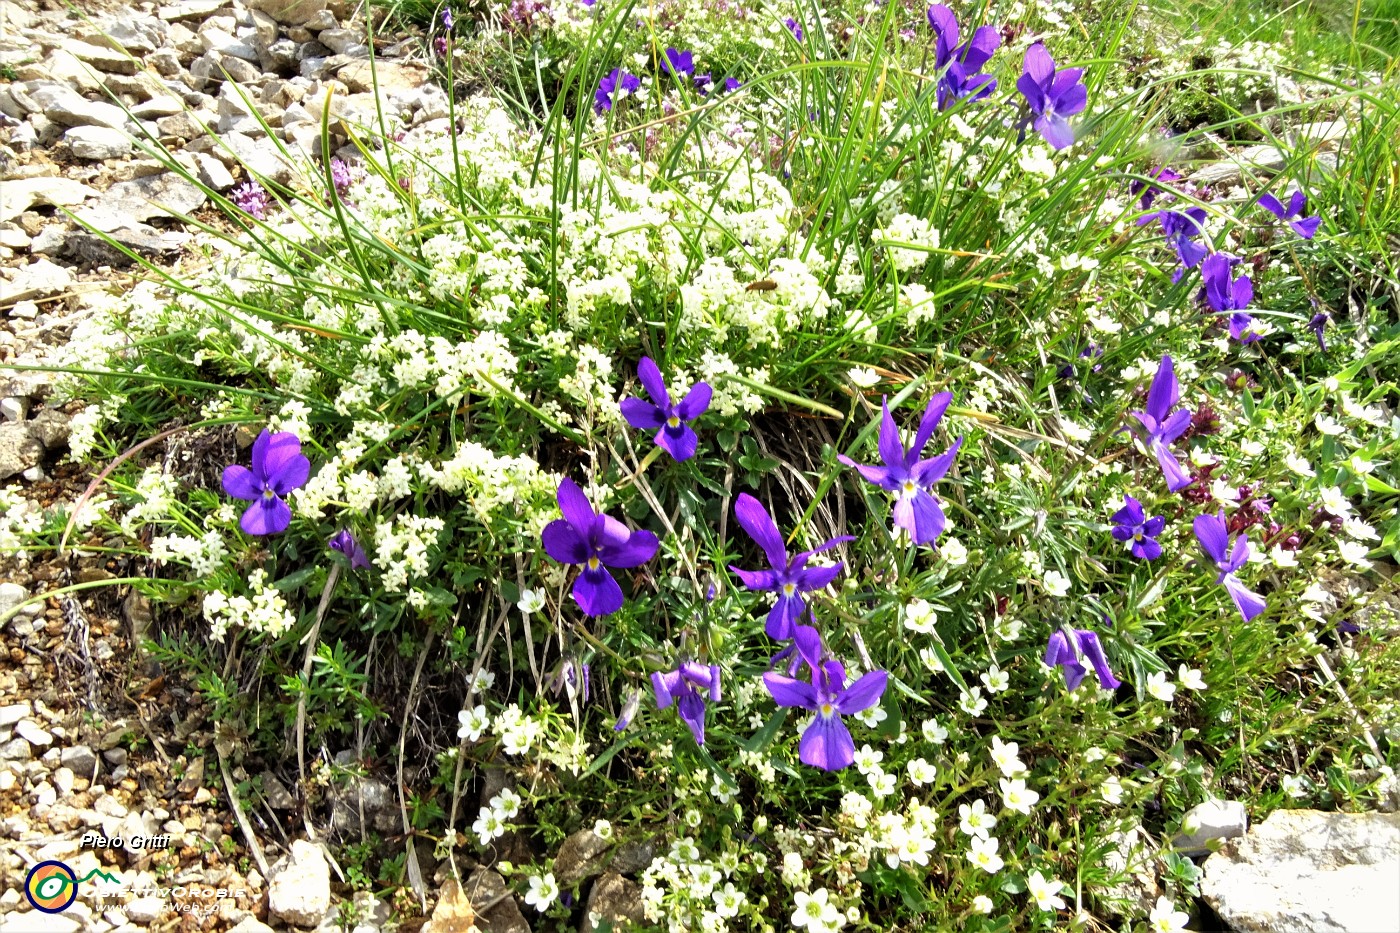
(579, 858)
(300, 888)
(18, 450)
(1305, 871)
(289, 12)
(392, 76)
(1213, 819)
(614, 900)
(36, 280)
(504, 916)
(157, 196)
(190, 9)
(67, 107)
(104, 58)
(97, 143)
(50, 428)
(21, 194)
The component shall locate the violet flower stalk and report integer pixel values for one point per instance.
(613, 88)
(962, 63)
(252, 199)
(278, 467)
(1228, 295)
(911, 479)
(789, 579)
(1065, 651)
(1212, 531)
(1052, 95)
(1305, 227)
(1149, 192)
(598, 542)
(344, 542)
(794, 27)
(1161, 425)
(1138, 532)
(1317, 325)
(667, 419)
(681, 686)
(826, 742)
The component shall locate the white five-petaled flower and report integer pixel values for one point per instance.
(1045, 891)
(1056, 583)
(1017, 796)
(921, 772)
(472, 723)
(507, 804)
(815, 912)
(1335, 501)
(868, 759)
(983, 854)
(1190, 678)
(543, 892)
(488, 826)
(934, 731)
(531, 601)
(982, 904)
(975, 820)
(863, 376)
(1299, 465)
(973, 703)
(1005, 757)
(1165, 918)
(996, 680)
(1112, 791)
(728, 900)
(1160, 687)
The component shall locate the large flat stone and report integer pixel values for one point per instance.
(19, 195)
(1305, 871)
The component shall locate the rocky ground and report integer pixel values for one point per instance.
(97, 738)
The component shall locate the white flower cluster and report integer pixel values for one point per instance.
(401, 548)
(494, 820)
(907, 240)
(19, 519)
(265, 611)
(494, 484)
(205, 555)
(158, 494)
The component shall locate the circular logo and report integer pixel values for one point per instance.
(51, 887)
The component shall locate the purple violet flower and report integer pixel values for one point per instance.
(1318, 324)
(447, 18)
(794, 27)
(678, 63)
(1228, 295)
(597, 541)
(1213, 533)
(916, 508)
(788, 579)
(1149, 192)
(963, 62)
(344, 542)
(1137, 531)
(731, 85)
(1052, 95)
(618, 83)
(252, 199)
(1065, 652)
(668, 420)
(680, 685)
(1305, 227)
(826, 743)
(278, 468)
(1181, 229)
(1161, 425)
